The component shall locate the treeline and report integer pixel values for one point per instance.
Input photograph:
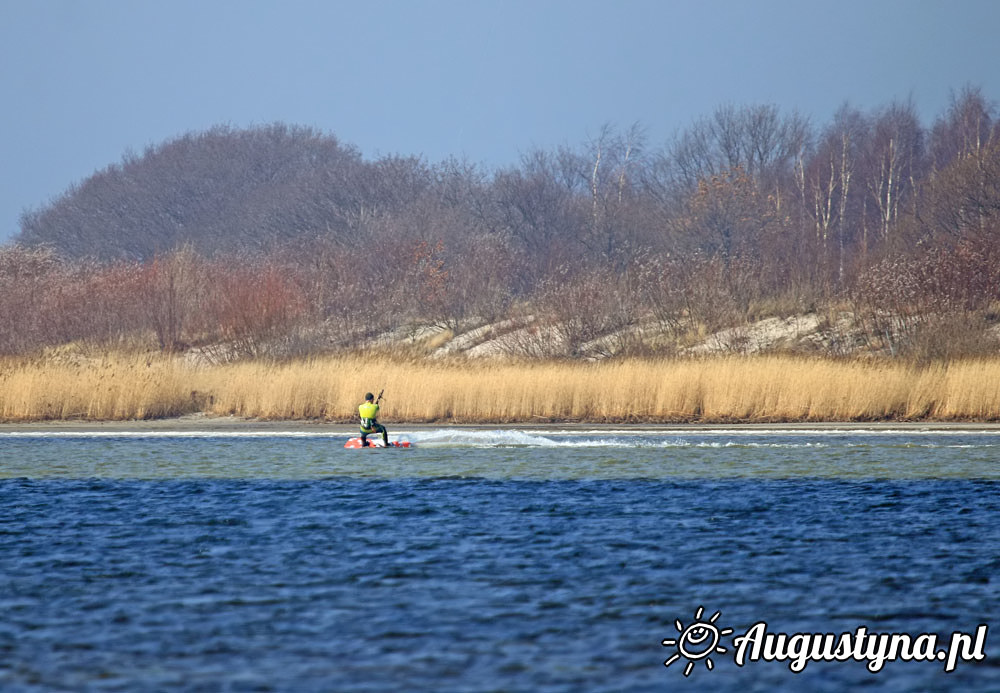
(283, 235)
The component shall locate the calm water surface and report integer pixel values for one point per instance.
(487, 560)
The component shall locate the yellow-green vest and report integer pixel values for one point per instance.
(368, 412)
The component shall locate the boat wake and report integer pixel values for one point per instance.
(531, 439)
(772, 438)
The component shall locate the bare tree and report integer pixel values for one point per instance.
(756, 139)
(893, 161)
(613, 172)
(825, 184)
(965, 129)
(537, 209)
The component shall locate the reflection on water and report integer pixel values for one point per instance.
(484, 560)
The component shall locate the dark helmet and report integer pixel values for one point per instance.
(369, 396)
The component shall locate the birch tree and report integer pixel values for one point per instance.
(894, 159)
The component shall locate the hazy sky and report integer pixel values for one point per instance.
(83, 81)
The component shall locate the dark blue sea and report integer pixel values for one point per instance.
(485, 560)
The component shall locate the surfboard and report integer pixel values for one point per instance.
(356, 443)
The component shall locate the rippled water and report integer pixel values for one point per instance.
(485, 560)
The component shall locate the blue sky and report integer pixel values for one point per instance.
(84, 81)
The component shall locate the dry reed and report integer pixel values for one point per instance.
(762, 389)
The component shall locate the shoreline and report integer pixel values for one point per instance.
(196, 423)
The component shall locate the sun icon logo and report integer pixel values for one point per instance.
(700, 640)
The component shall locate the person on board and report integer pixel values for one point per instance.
(369, 421)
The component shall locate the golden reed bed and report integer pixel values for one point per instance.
(763, 389)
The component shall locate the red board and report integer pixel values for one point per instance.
(377, 443)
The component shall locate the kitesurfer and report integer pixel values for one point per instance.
(369, 420)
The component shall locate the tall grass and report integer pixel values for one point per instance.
(115, 387)
(762, 389)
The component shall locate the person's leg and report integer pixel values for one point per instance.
(364, 439)
(385, 434)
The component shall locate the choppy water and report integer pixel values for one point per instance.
(486, 560)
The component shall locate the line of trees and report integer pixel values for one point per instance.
(283, 233)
